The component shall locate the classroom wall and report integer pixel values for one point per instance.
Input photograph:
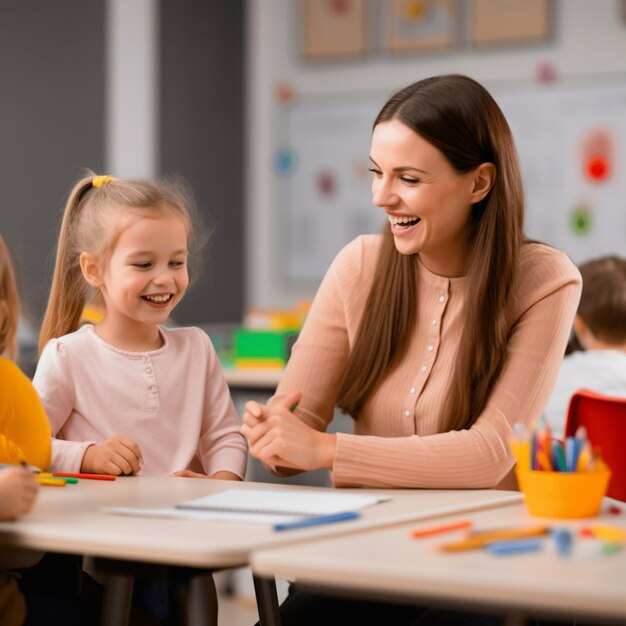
(588, 43)
(136, 88)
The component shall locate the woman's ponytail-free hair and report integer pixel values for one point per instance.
(459, 117)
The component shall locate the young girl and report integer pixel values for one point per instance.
(24, 428)
(128, 394)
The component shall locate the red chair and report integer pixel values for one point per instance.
(604, 417)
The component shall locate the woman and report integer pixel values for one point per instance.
(442, 332)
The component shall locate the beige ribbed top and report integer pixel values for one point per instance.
(396, 442)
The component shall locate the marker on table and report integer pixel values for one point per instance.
(479, 539)
(78, 475)
(513, 547)
(50, 482)
(67, 479)
(418, 533)
(318, 520)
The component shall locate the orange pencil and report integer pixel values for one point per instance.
(418, 533)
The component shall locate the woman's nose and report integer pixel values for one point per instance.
(383, 194)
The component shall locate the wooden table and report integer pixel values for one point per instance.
(70, 520)
(387, 564)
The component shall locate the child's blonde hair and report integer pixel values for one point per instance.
(98, 210)
(9, 304)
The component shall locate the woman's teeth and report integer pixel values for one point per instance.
(403, 222)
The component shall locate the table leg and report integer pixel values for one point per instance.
(514, 619)
(202, 600)
(267, 601)
(118, 595)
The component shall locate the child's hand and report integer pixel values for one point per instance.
(188, 474)
(118, 455)
(18, 490)
(223, 475)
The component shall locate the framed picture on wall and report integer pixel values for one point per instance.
(498, 22)
(420, 25)
(334, 29)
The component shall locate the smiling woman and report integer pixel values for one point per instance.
(435, 336)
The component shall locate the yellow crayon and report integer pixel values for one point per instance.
(479, 539)
(612, 534)
(50, 482)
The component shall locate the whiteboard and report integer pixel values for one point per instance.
(324, 191)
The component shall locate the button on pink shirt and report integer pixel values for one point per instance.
(397, 440)
(174, 402)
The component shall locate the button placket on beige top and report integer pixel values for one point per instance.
(429, 355)
(151, 384)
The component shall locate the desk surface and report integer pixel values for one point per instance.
(388, 563)
(266, 379)
(69, 520)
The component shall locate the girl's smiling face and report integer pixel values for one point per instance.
(145, 277)
(428, 203)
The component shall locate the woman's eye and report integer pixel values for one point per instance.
(409, 180)
(374, 171)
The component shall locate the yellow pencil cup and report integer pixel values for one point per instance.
(563, 494)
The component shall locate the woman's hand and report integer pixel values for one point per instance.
(117, 455)
(18, 490)
(277, 437)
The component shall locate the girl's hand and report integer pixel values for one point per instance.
(118, 455)
(188, 474)
(18, 491)
(223, 475)
(279, 438)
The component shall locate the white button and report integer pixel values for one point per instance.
(442, 298)
(153, 389)
(423, 368)
(431, 347)
(148, 370)
(434, 322)
(407, 413)
(412, 390)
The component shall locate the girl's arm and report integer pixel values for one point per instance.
(222, 449)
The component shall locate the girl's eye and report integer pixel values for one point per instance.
(143, 266)
(177, 263)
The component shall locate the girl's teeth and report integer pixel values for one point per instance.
(158, 298)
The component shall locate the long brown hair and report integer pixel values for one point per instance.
(93, 220)
(9, 304)
(460, 118)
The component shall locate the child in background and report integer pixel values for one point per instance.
(24, 433)
(128, 394)
(600, 330)
(24, 427)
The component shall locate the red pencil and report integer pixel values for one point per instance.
(418, 533)
(89, 476)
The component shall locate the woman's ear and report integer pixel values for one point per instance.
(90, 269)
(483, 178)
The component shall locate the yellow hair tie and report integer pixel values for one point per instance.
(98, 181)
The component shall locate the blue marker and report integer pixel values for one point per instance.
(564, 541)
(318, 520)
(516, 546)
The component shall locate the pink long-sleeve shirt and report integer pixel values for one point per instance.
(173, 402)
(396, 440)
